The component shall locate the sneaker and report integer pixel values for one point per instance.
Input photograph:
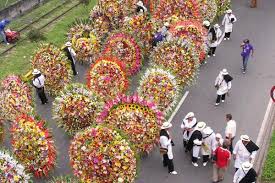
(174, 173)
(8, 43)
(214, 55)
(199, 157)
(208, 56)
(223, 101)
(204, 164)
(217, 104)
(228, 38)
(224, 39)
(195, 164)
(243, 72)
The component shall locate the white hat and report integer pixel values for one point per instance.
(224, 72)
(218, 135)
(35, 71)
(206, 23)
(245, 138)
(166, 24)
(140, 3)
(189, 115)
(216, 26)
(200, 126)
(229, 11)
(166, 125)
(247, 166)
(68, 44)
(208, 130)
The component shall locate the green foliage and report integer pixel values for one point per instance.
(86, 2)
(269, 167)
(36, 35)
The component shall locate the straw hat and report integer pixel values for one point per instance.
(166, 125)
(68, 44)
(218, 135)
(166, 24)
(189, 115)
(200, 126)
(35, 71)
(206, 23)
(247, 166)
(216, 26)
(229, 11)
(224, 72)
(140, 3)
(208, 130)
(245, 138)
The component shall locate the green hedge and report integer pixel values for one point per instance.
(269, 167)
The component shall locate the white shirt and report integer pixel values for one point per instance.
(186, 124)
(166, 143)
(242, 154)
(230, 128)
(209, 142)
(224, 87)
(39, 82)
(228, 26)
(71, 50)
(239, 175)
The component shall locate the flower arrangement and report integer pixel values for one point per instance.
(223, 5)
(76, 108)
(138, 118)
(184, 9)
(11, 171)
(194, 31)
(179, 56)
(64, 179)
(2, 130)
(124, 47)
(159, 86)
(54, 65)
(142, 28)
(101, 154)
(208, 9)
(33, 145)
(100, 23)
(107, 78)
(16, 98)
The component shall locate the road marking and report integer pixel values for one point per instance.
(178, 106)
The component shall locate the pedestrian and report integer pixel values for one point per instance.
(246, 174)
(39, 83)
(218, 142)
(244, 150)
(141, 9)
(223, 85)
(247, 50)
(163, 34)
(188, 124)
(230, 130)
(195, 142)
(166, 144)
(214, 36)
(228, 20)
(208, 142)
(3, 24)
(206, 25)
(70, 53)
(221, 162)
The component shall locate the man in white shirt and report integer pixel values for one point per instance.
(230, 131)
(246, 174)
(70, 53)
(38, 82)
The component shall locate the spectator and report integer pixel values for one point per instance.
(247, 50)
(188, 124)
(208, 142)
(228, 21)
(39, 82)
(230, 130)
(3, 24)
(246, 174)
(70, 53)
(214, 37)
(218, 142)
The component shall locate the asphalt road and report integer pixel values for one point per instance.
(247, 103)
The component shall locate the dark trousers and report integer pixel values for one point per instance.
(73, 67)
(194, 159)
(212, 50)
(219, 97)
(231, 144)
(42, 95)
(227, 35)
(168, 162)
(205, 158)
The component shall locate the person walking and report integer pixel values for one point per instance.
(70, 53)
(244, 150)
(214, 38)
(221, 163)
(228, 20)
(166, 144)
(195, 142)
(246, 174)
(223, 85)
(208, 142)
(230, 130)
(188, 124)
(3, 24)
(38, 82)
(247, 50)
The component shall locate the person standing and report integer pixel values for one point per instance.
(221, 163)
(3, 24)
(230, 130)
(70, 53)
(247, 50)
(218, 142)
(38, 82)
(228, 20)
(195, 142)
(246, 174)
(223, 85)
(214, 37)
(208, 142)
(188, 124)
(244, 150)
(166, 144)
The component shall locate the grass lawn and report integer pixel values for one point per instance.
(268, 175)
(18, 60)
(6, 3)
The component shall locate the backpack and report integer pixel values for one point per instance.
(227, 78)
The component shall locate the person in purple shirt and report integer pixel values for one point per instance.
(247, 50)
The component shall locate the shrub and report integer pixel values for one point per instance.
(36, 35)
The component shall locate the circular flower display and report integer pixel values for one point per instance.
(208, 9)
(138, 118)
(100, 23)
(76, 108)
(161, 87)
(177, 55)
(11, 171)
(193, 31)
(62, 179)
(223, 5)
(107, 78)
(54, 66)
(184, 9)
(100, 154)
(15, 97)
(33, 145)
(125, 48)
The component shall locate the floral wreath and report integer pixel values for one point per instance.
(101, 154)
(100, 23)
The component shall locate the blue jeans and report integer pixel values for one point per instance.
(4, 36)
(245, 61)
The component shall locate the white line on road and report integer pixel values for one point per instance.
(178, 106)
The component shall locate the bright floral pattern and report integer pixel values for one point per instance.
(208, 9)
(223, 5)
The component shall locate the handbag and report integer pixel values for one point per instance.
(163, 150)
